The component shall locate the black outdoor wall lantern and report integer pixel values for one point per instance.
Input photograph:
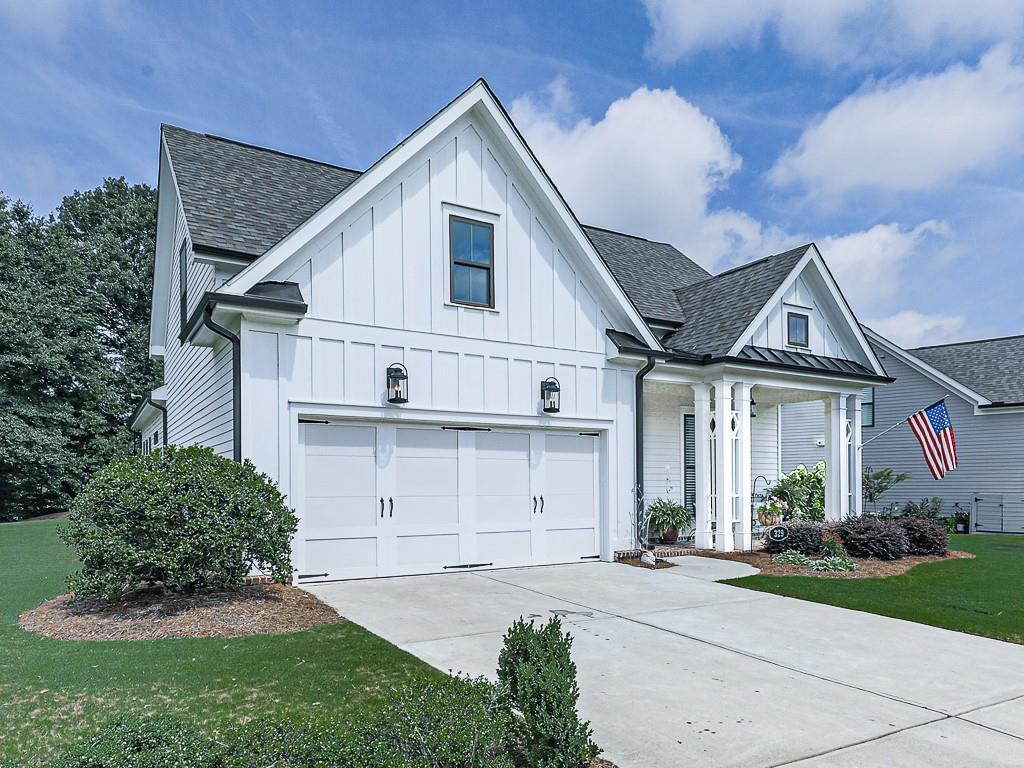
(550, 394)
(753, 407)
(398, 384)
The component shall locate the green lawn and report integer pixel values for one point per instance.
(981, 596)
(54, 692)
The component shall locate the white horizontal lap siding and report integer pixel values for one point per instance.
(198, 379)
(662, 447)
(764, 445)
(990, 447)
(802, 425)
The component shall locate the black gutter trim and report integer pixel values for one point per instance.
(999, 404)
(210, 298)
(227, 253)
(236, 379)
(638, 459)
(670, 357)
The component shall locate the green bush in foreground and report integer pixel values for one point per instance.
(792, 557)
(539, 678)
(182, 518)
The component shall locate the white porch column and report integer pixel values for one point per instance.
(742, 532)
(856, 459)
(837, 467)
(702, 438)
(723, 466)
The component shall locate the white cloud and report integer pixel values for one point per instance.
(52, 18)
(913, 134)
(869, 265)
(832, 31)
(913, 329)
(649, 166)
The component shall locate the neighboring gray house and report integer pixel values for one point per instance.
(984, 385)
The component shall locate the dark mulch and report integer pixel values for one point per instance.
(636, 562)
(257, 609)
(866, 568)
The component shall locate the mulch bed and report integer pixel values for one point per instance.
(866, 569)
(636, 562)
(257, 609)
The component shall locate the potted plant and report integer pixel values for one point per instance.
(667, 517)
(773, 511)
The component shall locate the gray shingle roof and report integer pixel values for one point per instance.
(649, 272)
(717, 310)
(993, 368)
(243, 198)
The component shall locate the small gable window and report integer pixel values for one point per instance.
(867, 407)
(797, 329)
(471, 246)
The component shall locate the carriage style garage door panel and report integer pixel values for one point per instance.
(386, 499)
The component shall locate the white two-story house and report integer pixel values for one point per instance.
(443, 369)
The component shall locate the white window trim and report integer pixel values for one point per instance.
(795, 309)
(486, 217)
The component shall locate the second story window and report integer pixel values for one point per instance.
(797, 330)
(471, 247)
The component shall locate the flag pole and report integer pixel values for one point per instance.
(897, 424)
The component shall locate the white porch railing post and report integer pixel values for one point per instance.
(723, 466)
(702, 486)
(856, 460)
(837, 467)
(743, 528)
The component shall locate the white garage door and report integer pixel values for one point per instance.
(385, 499)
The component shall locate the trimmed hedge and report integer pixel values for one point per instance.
(181, 518)
(805, 538)
(873, 537)
(924, 537)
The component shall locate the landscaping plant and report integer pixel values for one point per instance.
(792, 557)
(538, 675)
(804, 537)
(924, 537)
(929, 509)
(875, 484)
(803, 490)
(833, 564)
(184, 519)
(666, 516)
(873, 537)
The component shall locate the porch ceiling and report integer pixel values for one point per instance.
(764, 395)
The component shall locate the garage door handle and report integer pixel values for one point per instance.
(542, 505)
(382, 506)
(391, 507)
(535, 505)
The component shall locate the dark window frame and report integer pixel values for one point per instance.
(452, 262)
(183, 284)
(806, 343)
(864, 420)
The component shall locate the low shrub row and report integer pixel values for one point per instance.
(527, 718)
(865, 536)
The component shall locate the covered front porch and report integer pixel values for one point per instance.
(713, 444)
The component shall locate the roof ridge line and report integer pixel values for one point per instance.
(737, 268)
(270, 150)
(968, 341)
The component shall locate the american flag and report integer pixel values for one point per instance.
(934, 431)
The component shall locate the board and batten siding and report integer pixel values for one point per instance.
(198, 379)
(376, 283)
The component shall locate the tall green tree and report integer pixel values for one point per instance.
(74, 291)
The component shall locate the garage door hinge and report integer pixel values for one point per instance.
(467, 565)
(449, 428)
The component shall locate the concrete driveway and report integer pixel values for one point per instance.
(678, 670)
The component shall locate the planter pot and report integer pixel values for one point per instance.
(960, 527)
(670, 536)
(766, 519)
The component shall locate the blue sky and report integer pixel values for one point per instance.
(892, 134)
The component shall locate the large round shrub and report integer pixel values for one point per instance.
(181, 518)
(805, 538)
(873, 537)
(924, 537)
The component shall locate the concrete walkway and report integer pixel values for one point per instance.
(678, 670)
